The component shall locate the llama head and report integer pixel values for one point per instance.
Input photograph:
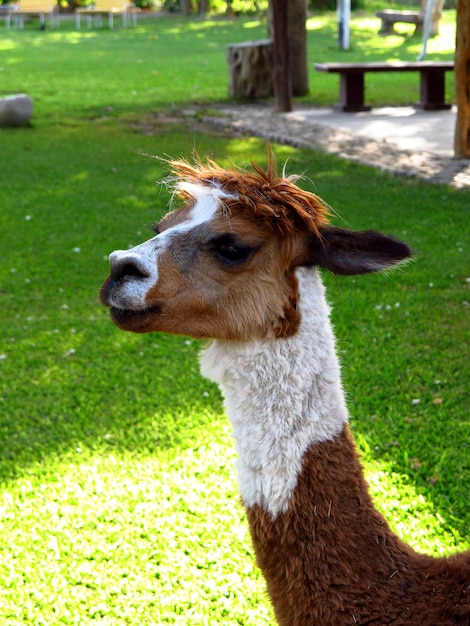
(223, 264)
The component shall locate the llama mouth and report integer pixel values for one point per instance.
(128, 319)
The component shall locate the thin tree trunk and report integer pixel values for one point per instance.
(297, 35)
(282, 76)
(462, 81)
(185, 7)
(297, 16)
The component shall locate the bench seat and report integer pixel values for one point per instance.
(390, 17)
(432, 81)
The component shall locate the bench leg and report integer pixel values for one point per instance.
(432, 90)
(387, 27)
(351, 93)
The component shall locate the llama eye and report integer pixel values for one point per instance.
(231, 253)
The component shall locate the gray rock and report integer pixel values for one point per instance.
(15, 110)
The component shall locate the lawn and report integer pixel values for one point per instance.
(118, 498)
(171, 61)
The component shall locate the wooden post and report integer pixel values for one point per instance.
(462, 81)
(282, 75)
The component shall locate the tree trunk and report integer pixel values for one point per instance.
(186, 7)
(282, 75)
(462, 81)
(297, 16)
(250, 67)
(297, 34)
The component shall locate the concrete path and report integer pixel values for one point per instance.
(406, 127)
(400, 140)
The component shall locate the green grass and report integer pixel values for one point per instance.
(169, 61)
(118, 497)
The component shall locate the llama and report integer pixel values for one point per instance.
(239, 264)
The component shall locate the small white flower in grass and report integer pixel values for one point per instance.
(3, 357)
(70, 352)
(205, 394)
(64, 307)
(431, 285)
(76, 250)
(28, 218)
(416, 401)
(27, 281)
(467, 280)
(187, 342)
(13, 270)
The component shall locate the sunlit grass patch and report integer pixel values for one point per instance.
(129, 539)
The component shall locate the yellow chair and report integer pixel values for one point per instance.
(34, 8)
(111, 8)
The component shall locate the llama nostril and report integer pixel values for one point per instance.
(129, 269)
(129, 266)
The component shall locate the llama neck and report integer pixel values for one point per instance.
(281, 397)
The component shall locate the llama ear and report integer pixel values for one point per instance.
(351, 252)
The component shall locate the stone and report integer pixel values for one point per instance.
(15, 110)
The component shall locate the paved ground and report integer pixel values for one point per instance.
(400, 140)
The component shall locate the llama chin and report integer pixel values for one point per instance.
(239, 264)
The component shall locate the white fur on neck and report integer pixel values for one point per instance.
(281, 396)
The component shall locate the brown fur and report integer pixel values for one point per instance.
(197, 297)
(275, 202)
(270, 213)
(332, 560)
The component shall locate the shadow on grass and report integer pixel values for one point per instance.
(72, 384)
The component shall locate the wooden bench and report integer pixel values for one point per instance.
(390, 17)
(432, 81)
